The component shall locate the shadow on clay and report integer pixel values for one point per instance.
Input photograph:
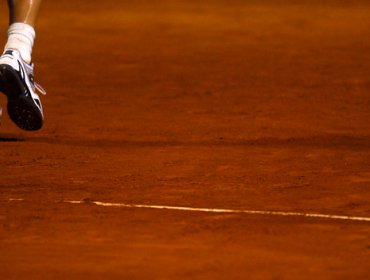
(326, 141)
(11, 138)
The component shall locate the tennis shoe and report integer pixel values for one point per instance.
(17, 83)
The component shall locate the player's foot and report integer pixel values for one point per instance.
(17, 83)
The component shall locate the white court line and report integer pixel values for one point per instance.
(213, 210)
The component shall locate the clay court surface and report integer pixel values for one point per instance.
(241, 105)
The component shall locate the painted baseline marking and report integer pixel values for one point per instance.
(213, 210)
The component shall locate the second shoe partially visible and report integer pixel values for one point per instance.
(17, 83)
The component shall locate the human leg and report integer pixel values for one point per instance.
(16, 70)
(25, 11)
(21, 32)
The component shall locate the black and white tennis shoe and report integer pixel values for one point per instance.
(17, 83)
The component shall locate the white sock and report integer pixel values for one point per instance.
(21, 37)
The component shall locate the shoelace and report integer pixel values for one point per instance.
(39, 88)
(36, 87)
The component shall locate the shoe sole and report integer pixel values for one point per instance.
(21, 110)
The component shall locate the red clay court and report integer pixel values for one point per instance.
(219, 105)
